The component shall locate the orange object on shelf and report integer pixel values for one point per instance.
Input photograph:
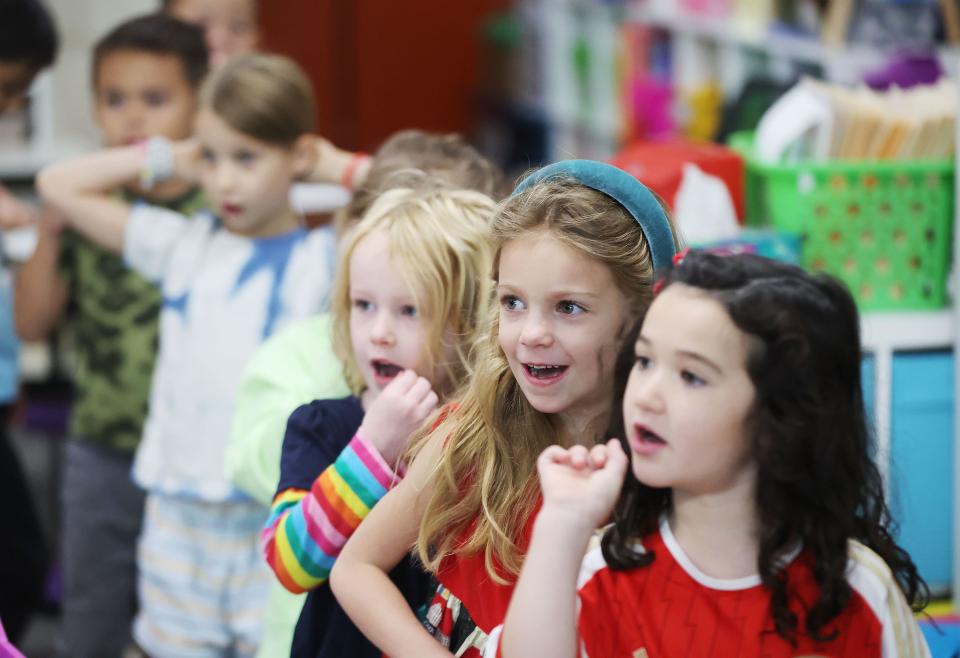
(659, 165)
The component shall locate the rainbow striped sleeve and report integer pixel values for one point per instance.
(306, 529)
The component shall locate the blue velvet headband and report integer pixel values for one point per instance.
(625, 190)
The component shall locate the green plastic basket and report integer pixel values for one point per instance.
(883, 228)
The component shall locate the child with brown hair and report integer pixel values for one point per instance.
(146, 77)
(229, 278)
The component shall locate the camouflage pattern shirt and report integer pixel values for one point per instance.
(115, 320)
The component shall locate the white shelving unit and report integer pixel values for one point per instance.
(883, 334)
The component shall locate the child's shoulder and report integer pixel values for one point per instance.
(875, 583)
(321, 238)
(323, 416)
(870, 576)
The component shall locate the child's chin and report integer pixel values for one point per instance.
(546, 404)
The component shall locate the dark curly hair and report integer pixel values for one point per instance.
(816, 481)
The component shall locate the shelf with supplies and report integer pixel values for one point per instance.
(840, 63)
(613, 71)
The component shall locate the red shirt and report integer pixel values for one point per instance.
(468, 604)
(670, 609)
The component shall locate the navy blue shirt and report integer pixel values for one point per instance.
(316, 435)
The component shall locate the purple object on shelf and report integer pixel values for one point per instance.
(906, 70)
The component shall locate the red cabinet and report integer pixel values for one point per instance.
(381, 65)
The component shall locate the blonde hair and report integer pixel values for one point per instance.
(486, 481)
(447, 157)
(267, 97)
(439, 238)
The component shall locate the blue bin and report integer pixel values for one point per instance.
(921, 453)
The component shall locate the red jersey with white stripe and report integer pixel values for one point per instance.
(670, 609)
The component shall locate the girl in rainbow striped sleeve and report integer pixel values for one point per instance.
(412, 291)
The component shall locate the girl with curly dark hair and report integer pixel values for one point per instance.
(755, 523)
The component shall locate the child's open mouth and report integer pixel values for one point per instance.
(645, 441)
(646, 436)
(384, 371)
(543, 374)
(232, 209)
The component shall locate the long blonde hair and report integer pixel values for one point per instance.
(486, 482)
(439, 238)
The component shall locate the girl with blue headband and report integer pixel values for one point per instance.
(753, 522)
(576, 247)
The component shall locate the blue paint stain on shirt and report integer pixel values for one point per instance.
(177, 304)
(270, 255)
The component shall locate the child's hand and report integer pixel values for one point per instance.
(329, 164)
(186, 160)
(398, 412)
(582, 483)
(15, 213)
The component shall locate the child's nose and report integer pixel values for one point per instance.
(133, 117)
(225, 176)
(536, 332)
(382, 330)
(644, 391)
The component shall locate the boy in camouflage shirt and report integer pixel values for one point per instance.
(146, 74)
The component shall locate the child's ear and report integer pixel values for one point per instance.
(304, 156)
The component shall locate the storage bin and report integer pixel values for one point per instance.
(883, 228)
(920, 491)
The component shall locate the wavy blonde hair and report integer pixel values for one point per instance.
(439, 240)
(486, 481)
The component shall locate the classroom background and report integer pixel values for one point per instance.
(817, 132)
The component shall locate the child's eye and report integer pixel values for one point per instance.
(570, 308)
(207, 155)
(114, 99)
(511, 303)
(408, 310)
(245, 157)
(362, 305)
(643, 362)
(155, 98)
(691, 379)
